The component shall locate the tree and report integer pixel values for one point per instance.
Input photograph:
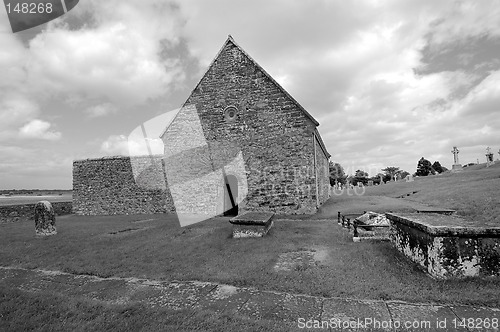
(390, 172)
(336, 173)
(360, 176)
(404, 174)
(437, 167)
(424, 167)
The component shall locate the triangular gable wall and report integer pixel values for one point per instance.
(231, 40)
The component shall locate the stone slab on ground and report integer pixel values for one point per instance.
(252, 224)
(479, 319)
(262, 304)
(444, 225)
(225, 299)
(283, 308)
(294, 307)
(356, 313)
(176, 295)
(423, 317)
(435, 210)
(252, 218)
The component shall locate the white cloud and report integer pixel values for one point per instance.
(115, 145)
(39, 129)
(15, 110)
(465, 19)
(112, 61)
(134, 145)
(101, 110)
(349, 64)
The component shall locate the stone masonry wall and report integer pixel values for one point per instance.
(272, 133)
(23, 212)
(322, 173)
(467, 254)
(120, 185)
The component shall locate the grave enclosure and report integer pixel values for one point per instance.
(447, 246)
(443, 245)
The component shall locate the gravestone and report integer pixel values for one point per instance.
(456, 164)
(381, 179)
(45, 219)
(370, 183)
(409, 178)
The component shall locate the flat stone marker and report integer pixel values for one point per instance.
(252, 224)
(45, 219)
(435, 210)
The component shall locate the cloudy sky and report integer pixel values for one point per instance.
(389, 81)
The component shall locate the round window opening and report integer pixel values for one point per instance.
(230, 113)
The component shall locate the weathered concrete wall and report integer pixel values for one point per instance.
(273, 134)
(23, 212)
(120, 185)
(446, 254)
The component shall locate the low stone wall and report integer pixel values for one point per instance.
(447, 246)
(23, 212)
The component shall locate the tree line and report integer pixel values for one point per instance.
(424, 168)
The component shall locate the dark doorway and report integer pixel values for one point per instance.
(230, 195)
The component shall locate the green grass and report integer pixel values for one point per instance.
(161, 249)
(474, 193)
(22, 311)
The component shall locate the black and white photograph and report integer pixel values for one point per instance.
(230, 165)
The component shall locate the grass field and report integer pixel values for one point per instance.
(21, 311)
(319, 257)
(474, 193)
(156, 247)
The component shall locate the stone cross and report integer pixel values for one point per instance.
(489, 155)
(455, 152)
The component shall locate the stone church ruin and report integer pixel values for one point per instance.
(239, 143)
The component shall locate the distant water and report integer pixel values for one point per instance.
(28, 199)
